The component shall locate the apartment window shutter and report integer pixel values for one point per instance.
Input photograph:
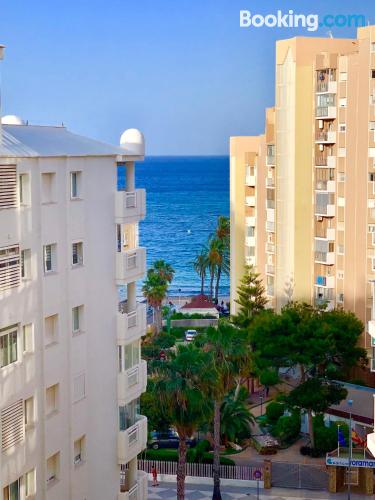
(12, 425)
(8, 186)
(10, 271)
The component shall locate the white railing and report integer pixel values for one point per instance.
(270, 226)
(239, 472)
(130, 265)
(132, 382)
(130, 206)
(132, 440)
(131, 325)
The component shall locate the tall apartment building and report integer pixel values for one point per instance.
(70, 368)
(303, 194)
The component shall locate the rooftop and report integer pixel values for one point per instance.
(362, 408)
(37, 141)
(199, 302)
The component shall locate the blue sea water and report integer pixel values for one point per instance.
(185, 196)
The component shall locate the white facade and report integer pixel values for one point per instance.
(70, 367)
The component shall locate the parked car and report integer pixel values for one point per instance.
(190, 334)
(167, 439)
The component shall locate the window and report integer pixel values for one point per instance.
(24, 189)
(342, 102)
(342, 127)
(51, 329)
(77, 319)
(29, 411)
(373, 73)
(26, 264)
(79, 450)
(8, 347)
(8, 186)
(341, 177)
(79, 387)
(340, 297)
(10, 273)
(340, 249)
(129, 355)
(371, 125)
(128, 414)
(13, 491)
(343, 76)
(30, 488)
(12, 425)
(250, 231)
(28, 338)
(371, 177)
(53, 464)
(342, 152)
(50, 258)
(48, 187)
(77, 254)
(52, 399)
(75, 184)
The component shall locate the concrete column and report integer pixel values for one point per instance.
(267, 474)
(132, 296)
(131, 474)
(332, 479)
(130, 176)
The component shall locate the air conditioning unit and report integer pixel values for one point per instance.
(321, 124)
(321, 147)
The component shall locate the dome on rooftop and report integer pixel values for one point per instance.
(12, 120)
(133, 141)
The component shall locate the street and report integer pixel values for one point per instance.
(167, 491)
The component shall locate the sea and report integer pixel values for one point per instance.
(185, 196)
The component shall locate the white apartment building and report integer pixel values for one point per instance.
(70, 368)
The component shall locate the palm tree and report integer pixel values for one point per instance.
(200, 265)
(214, 257)
(165, 270)
(180, 385)
(155, 288)
(236, 418)
(222, 235)
(230, 354)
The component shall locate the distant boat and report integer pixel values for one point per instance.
(189, 231)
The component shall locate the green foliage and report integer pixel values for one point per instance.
(171, 455)
(274, 411)
(157, 419)
(269, 377)
(164, 341)
(316, 395)
(288, 427)
(236, 418)
(251, 297)
(326, 436)
(180, 315)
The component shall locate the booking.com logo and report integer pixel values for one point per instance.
(292, 20)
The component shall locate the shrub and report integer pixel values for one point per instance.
(288, 428)
(326, 436)
(171, 455)
(165, 341)
(274, 411)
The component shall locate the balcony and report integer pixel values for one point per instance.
(250, 221)
(325, 258)
(250, 201)
(250, 180)
(130, 265)
(325, 210)
(250, 241)
(132, 440)
(270, 226)
(132, 383)
(270, 290)
(138, 491)
(371, 328)
(331, 161)
(270, 247)
(270, 182)
(326, 137)
(270, 269)
(131, 325)
(130, 206)
(325, 281)
(326, 234)
(328, 86)
(328, 112)
(328, 186)
(270, 215)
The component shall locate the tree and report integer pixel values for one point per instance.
(155, 288)
(230, 356)
(251, 297)
(315, 395)
(180, 386)
(236, 418)
(222, 234)
(200, 265)
(214, 256)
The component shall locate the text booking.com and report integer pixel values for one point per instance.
(292, 20)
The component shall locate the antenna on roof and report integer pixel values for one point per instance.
(330, 34)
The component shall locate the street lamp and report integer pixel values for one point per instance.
(350, 404)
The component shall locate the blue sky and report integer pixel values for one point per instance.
(182, 71)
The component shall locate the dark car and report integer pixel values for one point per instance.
(167, 439)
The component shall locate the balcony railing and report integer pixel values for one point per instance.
(326, 281)
(132, 440)
(132, 382)
(327, 210)
(131, 325)
(270, 182)
(250, 201)
(130, 265)
(326, 112)
(328, 186)
(325, 257)
(321, 160)
(270, 204)
(325, 233)
(130, 206)
(326, 136)
(270, 248)
(138, 491)
(270, 160)
(250, 180)
(270, 269)
(270, 226)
